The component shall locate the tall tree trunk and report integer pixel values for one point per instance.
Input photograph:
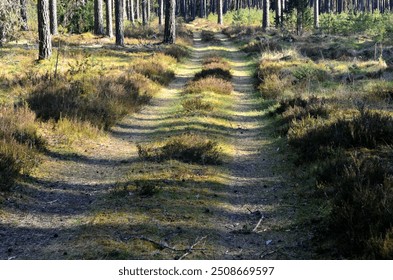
(132, 11)
(160, 12)
(170, 22)
(265, 17)
(137, 10)
(144, 13)
(148, 9)
(45, 44)
(109, 27)
(53, 16)
(316, 13)
(23, 15)
(219, 12)
(98, 18)
(277, 19)
(119, 20)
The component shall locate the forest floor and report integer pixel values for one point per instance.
(81, 204)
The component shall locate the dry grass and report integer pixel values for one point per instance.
(210, 84)
(188, 147)
(20, 143)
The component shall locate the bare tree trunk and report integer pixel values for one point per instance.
(137, 9)
(277, 19)
(53, 16)
(144, 13)
(265, 17)
(132, 11)
(316, 13)
(23, 15)
(98, 18)
(109, 10)
(119, 20)
(219, 12)
(45, 44)
(160, 12)
(170, 22)
(148, 9)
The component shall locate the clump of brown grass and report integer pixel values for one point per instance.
(19, 143)
(196, 104)
(210, 84)
(187, 147)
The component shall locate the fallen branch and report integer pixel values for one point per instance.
(163, 245)
(264, 255)
(259, 222)
(189, 251)
(160, 245)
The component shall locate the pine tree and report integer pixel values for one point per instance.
(98, 18)
(119, 18)
(170, 22)
(45, 44)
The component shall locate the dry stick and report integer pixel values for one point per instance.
(264, 255)
(162, 245)
(192, 247)
(259, 222)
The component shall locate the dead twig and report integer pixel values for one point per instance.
(259, 222)
(160, 245)
(265, 254)
(164, 245)
(189, 251)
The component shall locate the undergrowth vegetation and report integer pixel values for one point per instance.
(190, 147)
(70, 98)
(324, 109)
(102, 102)
(19, 144)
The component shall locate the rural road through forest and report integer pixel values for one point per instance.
(45, 216)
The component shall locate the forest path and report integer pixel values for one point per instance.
(262, 206)
(74, 205)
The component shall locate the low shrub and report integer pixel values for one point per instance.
(297, 108)
(313, 135)
(19, 143)
(101, 102)
(273, 87)
(211, 84)
(156, 68)
(188, 147)
(362, 199)
(196, 104)
(214, 67)
(213, 72)
(208, 36)
(140, 31)
(380, 91)
(176, 51)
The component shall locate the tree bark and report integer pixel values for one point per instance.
(109, 25)
(132, 11)
(119, 20)
(98, 18)
(316, 13)
(148, 9)
(219, 12)
(170, 22)
(277, 19)
(53, 16)
(144, 12)
(160, 12)
(23, 15)
(45, 44)
(137, 9)
(265, 17)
